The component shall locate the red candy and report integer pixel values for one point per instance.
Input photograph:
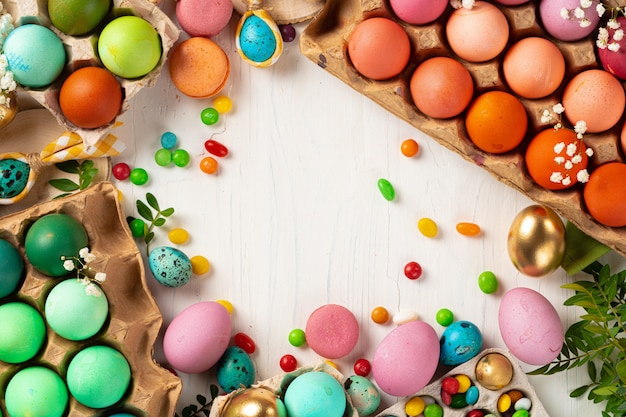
(245, 342)
(446, 397)
(288, 363)
(362, 367)
(121, 171)
(413, 270)
(476, 413)
(450, 385)
(216, 148)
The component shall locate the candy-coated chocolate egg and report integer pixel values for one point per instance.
(406, 359)
(363, 393)
(12, 267)
(14, 177)
(530, 326)
(22, 332)
(77, 17)
(494, 371)
(460, 342)
(170, 266)
(315, 394)
(254, 402)
(536, 241)
(52, 237)
(36, 391)
(235, 370)
(197, 337)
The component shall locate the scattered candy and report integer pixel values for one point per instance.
(138, 227)
(181, 158)
(209, 165)
(433, 410)
(178, 236)
(222, 104)
(413, 270)
(380, 315)
(405, 316)
(200, 265)
(288, 33)
(209, 116)
(450, 385)
(297, 337)
(472, 394)
(362, 367)
(216, 148)
(415, 406)
(163, 157)
(168, 140)
(138, 176)
(504, 402)
(468, 229)
(288, 363)
(227, 305)
(386, 189)
(444, 317)
(464, 382)
(121, 171)
(487, 282)
(427, 227)
(245, 342)
(409, 148)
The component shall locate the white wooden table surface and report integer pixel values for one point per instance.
(294, 219)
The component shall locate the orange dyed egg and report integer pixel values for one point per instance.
(534, 67)
(596, 97)
(496, 122)
(604, 194)
(379, 48)
(441, 87)
(90, 97)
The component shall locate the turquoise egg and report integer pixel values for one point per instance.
(256, 39)
(36, 391)
(12, 267)
(13, 177)
(315, 394)
(170, 266)
(363, 393)
(235, 370)
(460, 342)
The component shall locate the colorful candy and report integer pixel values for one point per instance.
(415, 406)
(433, 410)
(297, 337)
(404, 316)
(444, 317)
(487, 282)
(409, 148)
(168, 140)
(222, 104)
(288, 33)
(181, 158)
(139, 176)
(427, 227)
(227, 305)
(178, 236)
(386, 189)
(209, 165)
(199, 265)
(468, 229)
(121, 171)
(209, 116)
(138, 227)
(412, 270)
(362, 367)
(163, 157)
(216, 148)
(245, 342)
(288, 363)
(380, 315)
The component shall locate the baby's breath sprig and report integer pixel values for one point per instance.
(605, 39)
(465, 4)
(84, 273)
(7, 83)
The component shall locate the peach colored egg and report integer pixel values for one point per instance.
(441, 87)
(370, 52)
(477, 34)
(534, 67)
(596, 97)
(623, 139)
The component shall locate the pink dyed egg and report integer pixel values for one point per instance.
(611, 60)
(418, 12)
(332, 331)
(197, 337)
(406, 359)
(567, 29)
(530, 326)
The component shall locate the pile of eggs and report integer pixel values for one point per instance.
(483, 92)
(70, 345)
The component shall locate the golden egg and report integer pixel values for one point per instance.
(494, 371)
(254, 402)
(536, 241)
(8, 113)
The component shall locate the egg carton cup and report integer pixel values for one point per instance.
(487, 400)
(82, 51)
(134, 317)
(324, 41)
(279, 383)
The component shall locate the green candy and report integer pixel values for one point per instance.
(386, 189)
(487, 282)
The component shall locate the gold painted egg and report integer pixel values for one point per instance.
(494, 371)
(254, 402)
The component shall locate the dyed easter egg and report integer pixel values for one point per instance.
(77, 17)
(363, 394)
(406, 359)
(75, 313)
(235, 370)
(36, 391)
(98, 376)
(614, 61)
(170, 266)
(197, 337)
(253, 402)
(567, 28)
(51, 237)
(256, 39)
(13, 177)
(315, 394)
(35, 55)
(12, 267)
(418, 12)
(460, 342)
(530, 326)
(22, 332)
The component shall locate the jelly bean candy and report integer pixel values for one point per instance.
(523, 403)
(412, 270)
(444, 317)
(433, 410)
(487, 282)
(380, 315)
(245, 342)
(163, 157)
(178, 236)
(216, 148)
(464, 381)
(386, 189)
(427, 227)
(121, 171)
(402, 317)
(297, 337)
(287, 32)
(409, 148)
(138, 176)
(168, 140)
(288, 363)
(468, 229)
(450, 385)
(504, 402)
(362, 367)
(209, 165)
(227, 305)
(471, 395)
(181, 158)
(223, 104)
(138, 227)
(415, 406)
(199, 265)
(209, 116)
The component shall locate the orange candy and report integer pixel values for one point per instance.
(409, 148)
(209, 165)
(604, 194)
(380, 315)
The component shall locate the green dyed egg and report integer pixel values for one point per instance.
(73, 313)
(36, 391)
(12, 267)
(98, 376)
(49, 238)
(13, 177)
(22, 332)
(77, 17)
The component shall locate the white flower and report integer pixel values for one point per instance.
(579, 13)
(572, 148)
(559, 160)
(585, 4)
(100, 277)
(618, 35)
(566, 181)
(68, 265)
(93, 290)
(613, 47)
(613, 24)
(589, 152)
(576, 159)
(584, 22)
(564, 13)
(580, 127)
(558, 108)
(556, 177)
(600, 9)
(559, 147)
(582, 176)
(468, 4)
(569, 165)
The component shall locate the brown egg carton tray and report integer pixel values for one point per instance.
(324, 41)
(82, 51)
(134, 317)
(487, 399)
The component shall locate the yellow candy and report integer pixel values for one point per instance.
(222, 104)
(227, 305)
(178, 235)
(464, 382)
(200, 265)
(331, 363)
(120, 195)
(414, 407)
(504, 402)
(427, 227)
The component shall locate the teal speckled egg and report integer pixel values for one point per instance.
(460, 342)
(170, 266)
(257, 40)
(235, 370)
(13, 177)
(363, 393)
(12, 267)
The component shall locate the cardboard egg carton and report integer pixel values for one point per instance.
(325, 41)
(82, 51)
(487, 399)
(134, 317)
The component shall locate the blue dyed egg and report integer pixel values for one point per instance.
(363, 393)
(13, 177)
(460, 342)
(235, 370)
(257, 41)
(12, 267)
(315, 394)
(170, 266)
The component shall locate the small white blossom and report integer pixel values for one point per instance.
(83, 252)
(100, 277)
(566, 181)
(582, 176)
(613, 24)
(589, 152)
(559, 160)
(468, 4)
(93, 290)
(580, 128)
(68, 265)
(577, 159)
(579, 13)
(558, 108)
(600, 9)
(559, 147)
(613, 47)
(556, 177)
(569, 165)
(564, 13)
(584, 22)
(572, 148)
(585, 4)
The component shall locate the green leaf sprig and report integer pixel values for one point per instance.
(598, 339)
(203, 408)
(157, 218)
(85, 170)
